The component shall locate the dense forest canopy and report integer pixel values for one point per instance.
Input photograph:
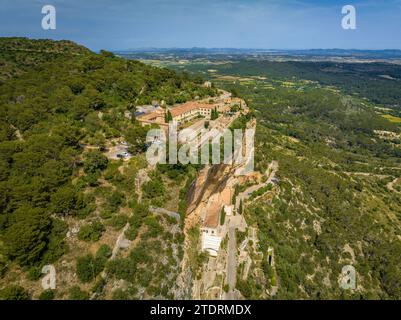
(19, 55)
(55, 97)
(334, 171)
(378, 82)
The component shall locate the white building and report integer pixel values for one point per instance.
(212, 231)
(229, 209)
(210, 243)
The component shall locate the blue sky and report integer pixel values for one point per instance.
(275, 24)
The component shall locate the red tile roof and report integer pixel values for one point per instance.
(188, 106)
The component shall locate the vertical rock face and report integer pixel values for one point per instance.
(210, 180)
(184, 285)
(210, 184)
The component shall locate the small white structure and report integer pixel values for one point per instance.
(207, 84)
(212, 231)
(210, 243)
(229, 209)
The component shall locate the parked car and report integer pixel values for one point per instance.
(123, 155)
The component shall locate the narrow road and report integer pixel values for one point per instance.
(231, 263)
(273, 167)
(162, 211)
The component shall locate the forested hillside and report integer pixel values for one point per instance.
(60, 105)
(378, 82)
(19, 55)
(335, 204)
(338, 197)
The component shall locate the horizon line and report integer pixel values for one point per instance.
(251, 48)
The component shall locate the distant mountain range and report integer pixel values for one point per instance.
(362, 54)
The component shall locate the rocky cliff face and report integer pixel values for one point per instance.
(211, 180)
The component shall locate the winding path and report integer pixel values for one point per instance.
(245, 195)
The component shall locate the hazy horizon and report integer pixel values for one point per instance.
(251, 48)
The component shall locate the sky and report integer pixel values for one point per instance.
(265, 24)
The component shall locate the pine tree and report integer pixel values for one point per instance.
(168, 117)
(222, 216)
(214, 114)
(240, 207)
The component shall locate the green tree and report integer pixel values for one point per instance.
(136, 137)
(95, 161)
(222, 216)
(34, 274)
(115, 200)
(153, 189)
(64, 200)
(47, 295)
(168, 117)
(14, 292)
(214, 114)
(25, 240)
(77, 294)
(104, 252)
(88, 268)
(91, 232)
(107, 54)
